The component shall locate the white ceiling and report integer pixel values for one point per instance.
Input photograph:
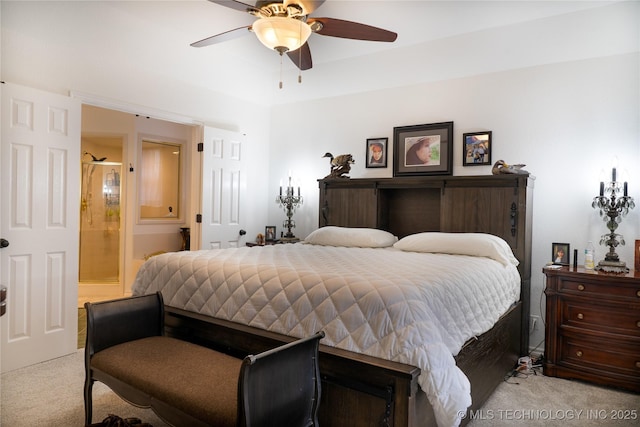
(151, 40)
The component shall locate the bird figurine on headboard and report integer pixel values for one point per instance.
(501, 167)
(340, 165)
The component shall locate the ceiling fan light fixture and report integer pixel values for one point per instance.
(281, 34)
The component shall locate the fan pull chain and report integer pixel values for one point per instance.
(300, 57)
(300, 65)
(280, 71)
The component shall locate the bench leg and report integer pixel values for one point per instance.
(88, 402)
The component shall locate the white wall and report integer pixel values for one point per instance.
(565, 120)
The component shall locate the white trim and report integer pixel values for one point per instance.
(112, 104)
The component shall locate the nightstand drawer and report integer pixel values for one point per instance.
(617, 319)
(621, 358)
(600, 289)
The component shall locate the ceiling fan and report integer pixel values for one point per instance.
(286, 25)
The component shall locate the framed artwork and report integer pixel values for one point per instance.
(423, 149)
(270, 233)
(560, 253)
(376, 154)
(476, 148)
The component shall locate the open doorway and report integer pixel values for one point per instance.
(117, 234)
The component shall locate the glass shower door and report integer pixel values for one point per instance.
(100, 222)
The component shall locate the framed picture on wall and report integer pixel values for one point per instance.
(476, 149)
(270, 233)
(423, 149)
(376, 154)
(560, 253)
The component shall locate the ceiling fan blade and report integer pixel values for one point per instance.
(308, 6)
(351, 30)
(222, 37)
(301, 57)
(236, 5)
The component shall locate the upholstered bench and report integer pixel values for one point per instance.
(190, 385)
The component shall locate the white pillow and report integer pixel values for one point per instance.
(351, 237)
(475, 244)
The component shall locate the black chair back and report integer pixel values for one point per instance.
(126, 319)
(281, 387)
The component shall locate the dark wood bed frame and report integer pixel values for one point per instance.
(359, 390)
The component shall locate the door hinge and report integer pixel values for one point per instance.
(199, 218)
(200, 147)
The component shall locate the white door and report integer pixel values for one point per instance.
(223, 188)
(39, 196)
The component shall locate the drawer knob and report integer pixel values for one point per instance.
(580, 316)
(638, 323)
(638, 293)
(579, 353)
(637, 364)
(581, 288)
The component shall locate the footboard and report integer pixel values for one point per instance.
(379, 391)
(360, 390)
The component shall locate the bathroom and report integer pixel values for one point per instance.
(135, 192)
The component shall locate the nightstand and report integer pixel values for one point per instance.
(593, 326)
(252, 244)
(274, 242)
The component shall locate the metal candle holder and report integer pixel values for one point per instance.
(612, 210)
(290, 203)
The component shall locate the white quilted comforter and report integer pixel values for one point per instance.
(413, 308)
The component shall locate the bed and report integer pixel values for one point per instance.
(400, 347)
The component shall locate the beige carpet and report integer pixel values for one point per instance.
(50, 394)
(536, 400)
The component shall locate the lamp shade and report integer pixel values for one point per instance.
(281, 34)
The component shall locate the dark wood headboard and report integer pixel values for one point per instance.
(495, 204)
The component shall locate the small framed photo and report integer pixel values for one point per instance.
(560, 253)
(423, 149)
(270, 233)
(376, 154)
(477, 149)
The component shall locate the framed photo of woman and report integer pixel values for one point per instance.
(423, 149)
(377, 152)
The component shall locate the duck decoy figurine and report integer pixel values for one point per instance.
(340, 165)
(501, 167)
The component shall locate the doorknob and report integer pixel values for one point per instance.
(4, 243)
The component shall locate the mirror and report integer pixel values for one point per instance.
(159, 189)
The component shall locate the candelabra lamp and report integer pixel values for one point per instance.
(290, 202)
(613, 208)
